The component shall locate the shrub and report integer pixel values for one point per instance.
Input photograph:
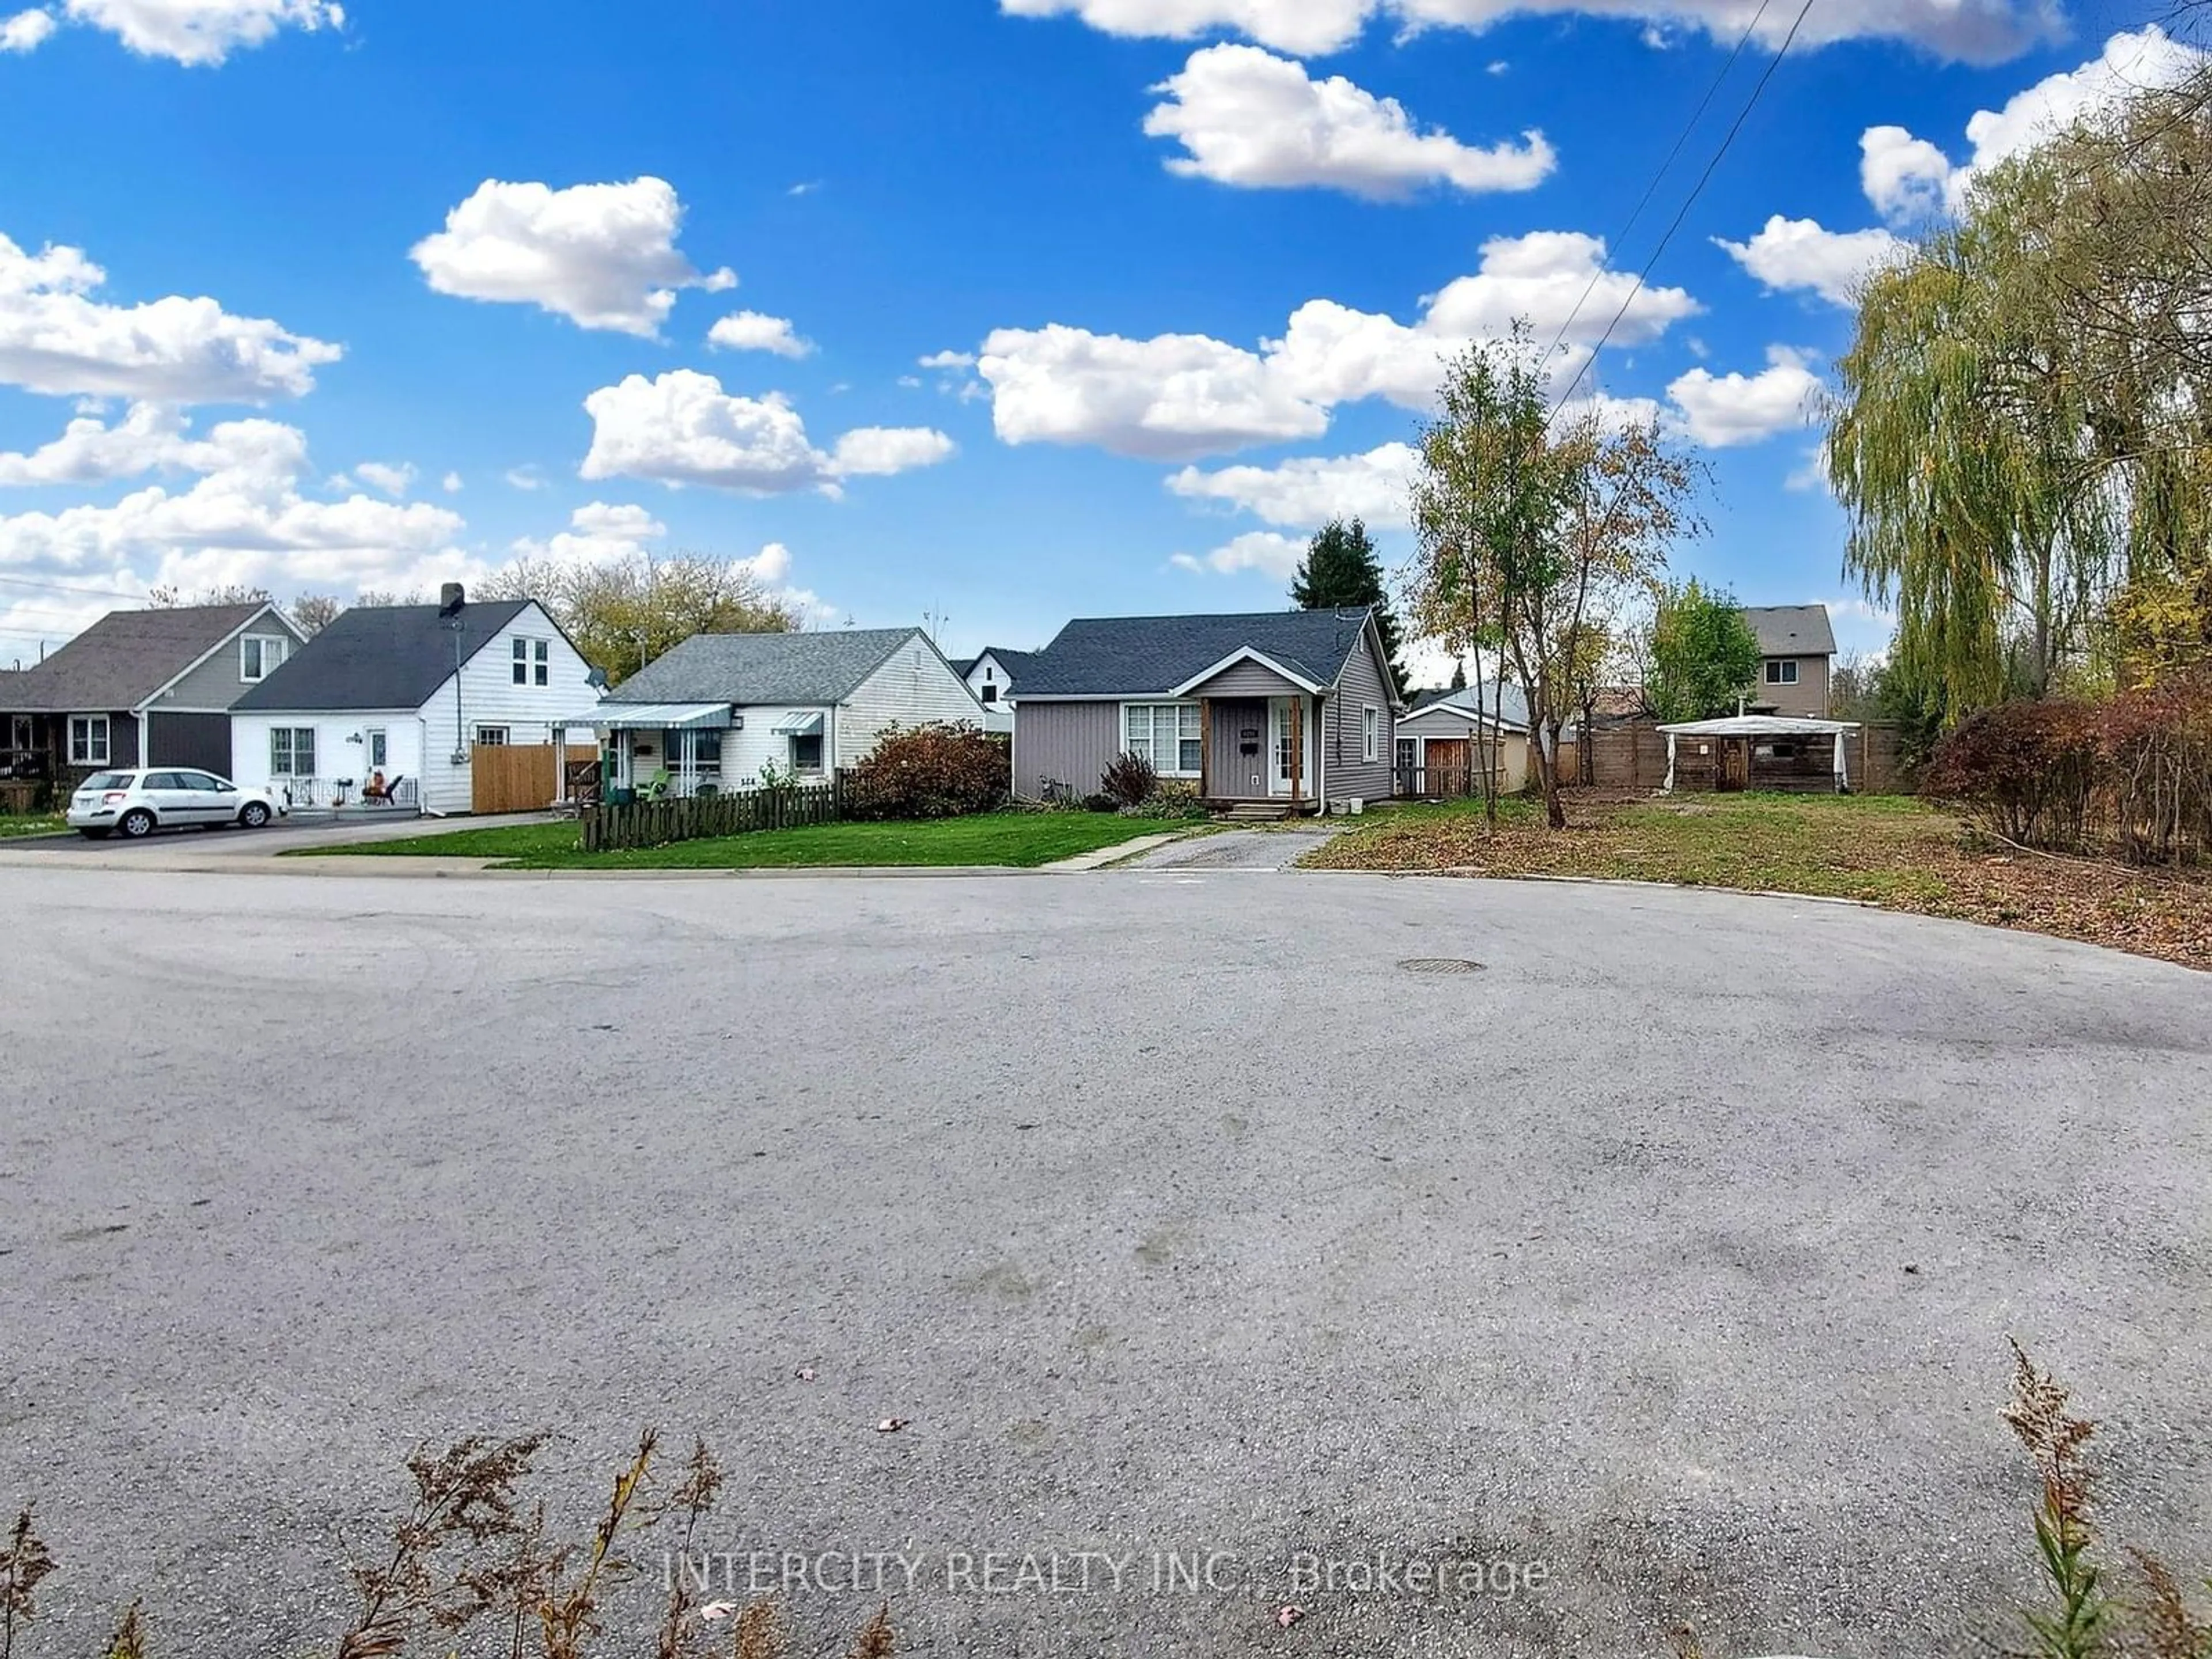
(1129, 780)
(2026, 771)
(2157, 756)
(1173, 798)
(934, 771)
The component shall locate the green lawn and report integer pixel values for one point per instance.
(1022, 840)
(12, 827)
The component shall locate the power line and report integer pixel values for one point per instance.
(1665, 166)
(1689, 202)
(71, 587)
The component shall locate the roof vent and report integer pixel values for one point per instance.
(450, 599)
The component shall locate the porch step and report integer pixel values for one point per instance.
(1257, 812)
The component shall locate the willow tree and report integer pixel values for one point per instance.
(1534, 525)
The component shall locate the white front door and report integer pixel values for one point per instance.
(1282, 742)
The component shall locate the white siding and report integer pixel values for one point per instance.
(489, 697)
(743, 752)
(337, 755)
(913, 688)
(998, 716)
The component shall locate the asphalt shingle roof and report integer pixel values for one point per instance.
(1146, 656)
(1792, 630)
(124, 659)
(1505, 702)
(1016, 663)
(382, 656)
(752, 669)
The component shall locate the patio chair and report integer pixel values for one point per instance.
(656, 786)
(387, 795)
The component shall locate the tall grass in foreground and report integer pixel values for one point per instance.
(471, 1554)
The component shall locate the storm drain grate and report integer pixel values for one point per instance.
(1440, 965)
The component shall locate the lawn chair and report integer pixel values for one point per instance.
(378, 793)
(657, 787)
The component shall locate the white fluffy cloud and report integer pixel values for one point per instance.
(26, 31)
(1975, 31)
(1302, 494)
(196, 31)
(681, 427)
(597, 533)
(1723, 411)
(1181, 397)
(1263, 550)
(150, 437)
(1248, 118)
(1907, 178)
(754, 330)
(244, 519)
(393, 480)
(56, 338)
(604, 256)
(1801, 255)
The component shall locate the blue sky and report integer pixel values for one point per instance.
(324, 299)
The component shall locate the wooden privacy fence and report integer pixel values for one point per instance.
(512, 777)
(658, 823)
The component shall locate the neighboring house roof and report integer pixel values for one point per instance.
(752, 669)
(1016, 663)
(380, 656)
(1505, 703)
(126, 657)
(1792, 630)
(1149, 656)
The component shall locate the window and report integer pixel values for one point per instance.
(380, 751)
(1781, 671)
(1166, 734)
(260, 655)
(165, 781)
(1370, 734)
(88, 740)
(706, 746)
(1406, 761)
(291, 751)
(492, 737)
(206, 782)
(533, 662)
(109, 780)
(990, 694)
(806, 753)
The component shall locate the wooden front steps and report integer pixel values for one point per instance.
(1256, 811)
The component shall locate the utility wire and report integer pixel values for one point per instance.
(1691, 201)
(1665, 166)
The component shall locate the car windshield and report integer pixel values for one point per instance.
(109, 780)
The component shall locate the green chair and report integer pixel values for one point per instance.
(656, 786)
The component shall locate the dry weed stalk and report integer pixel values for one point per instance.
(2170, 1631)
(571, 1613)
(760, 1631)
(694, 1496)
(2079, 1626)
(129, 1641)
(875, 1641)
(464, 1496)
(22, 1564)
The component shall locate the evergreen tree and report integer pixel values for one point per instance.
(1459, 674)
(1342, 571)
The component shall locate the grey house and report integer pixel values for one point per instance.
(1799, 648)
(1293, 708)
(143, 688)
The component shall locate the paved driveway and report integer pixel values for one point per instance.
(197, 849)
(1666, 1258)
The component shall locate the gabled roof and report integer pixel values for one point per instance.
(1506, 704)
(804, 669)
(380, 657)
(1150, 656)
(126, 657)
(1016, 663)
(1792, 630)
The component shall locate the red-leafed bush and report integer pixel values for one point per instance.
(1129, 780)
(2157, 756)
(2026, 771)
(934, 771)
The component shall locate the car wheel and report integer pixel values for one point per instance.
(137, 824)
(254, 815)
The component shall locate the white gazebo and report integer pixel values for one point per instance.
(1750, 729)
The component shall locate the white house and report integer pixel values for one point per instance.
(409, 692)
(1447, 738)
(728, 711)
(991, 678)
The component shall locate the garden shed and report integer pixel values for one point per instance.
(1761, 752)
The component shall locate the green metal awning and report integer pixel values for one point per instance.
(656, 717)
(798, 726)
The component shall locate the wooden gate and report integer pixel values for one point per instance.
(512, 778)
(1735, 765)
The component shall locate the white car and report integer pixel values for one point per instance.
(136, 804)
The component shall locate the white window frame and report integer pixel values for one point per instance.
(291, 767)
(505, 739)
(532, 661)
(1190, 719)
(264, 640)
(1370, 733)
(1782, 671)
(93, 724)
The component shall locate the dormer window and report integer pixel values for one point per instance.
(260, 655)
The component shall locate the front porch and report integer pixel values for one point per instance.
(1261, 753)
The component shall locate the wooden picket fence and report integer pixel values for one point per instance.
(658, 823)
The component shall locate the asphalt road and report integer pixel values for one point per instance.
(1667, 1259)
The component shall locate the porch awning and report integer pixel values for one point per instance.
(655, 717)
(798, 726)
